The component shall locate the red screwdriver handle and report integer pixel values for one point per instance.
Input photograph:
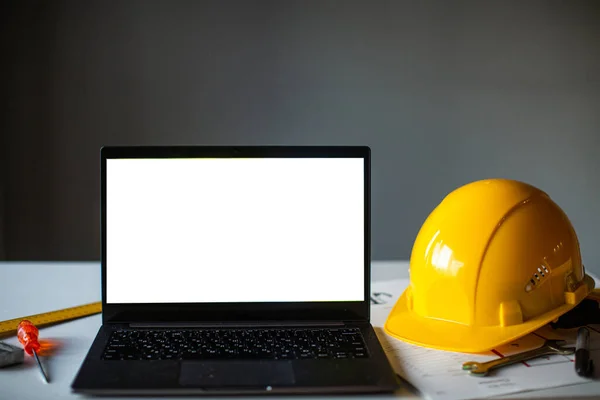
(28, 336)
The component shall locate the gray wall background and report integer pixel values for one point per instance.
(443, 92)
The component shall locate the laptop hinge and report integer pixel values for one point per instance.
(234, 324)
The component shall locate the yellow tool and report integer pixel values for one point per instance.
(9, 327)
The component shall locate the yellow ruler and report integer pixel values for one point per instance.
(9, 327)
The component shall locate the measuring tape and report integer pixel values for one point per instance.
(9, 327)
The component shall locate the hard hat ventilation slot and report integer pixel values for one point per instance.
(537, 278)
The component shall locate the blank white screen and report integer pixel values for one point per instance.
(235, 230)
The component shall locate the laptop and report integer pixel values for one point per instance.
(235, 270)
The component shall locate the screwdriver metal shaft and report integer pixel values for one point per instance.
(41, 368)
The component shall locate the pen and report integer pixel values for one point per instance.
(583, 364)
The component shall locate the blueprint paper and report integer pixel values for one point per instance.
(439, 375)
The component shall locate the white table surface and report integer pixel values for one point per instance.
(29, 288)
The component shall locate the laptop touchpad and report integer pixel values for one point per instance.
(236, 373)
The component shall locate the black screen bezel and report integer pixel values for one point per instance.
(251, 312)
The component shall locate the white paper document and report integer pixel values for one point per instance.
(439, 375)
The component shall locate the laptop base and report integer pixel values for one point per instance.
(100, 377)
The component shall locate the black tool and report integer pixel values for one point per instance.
(585, 313)
(583, 364)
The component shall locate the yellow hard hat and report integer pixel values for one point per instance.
(495, 260)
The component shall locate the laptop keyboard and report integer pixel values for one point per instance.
(254, 344)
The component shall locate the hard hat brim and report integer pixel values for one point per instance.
(451, 336)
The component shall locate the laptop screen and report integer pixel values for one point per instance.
(229, 230)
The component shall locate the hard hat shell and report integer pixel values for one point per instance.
(495, 260)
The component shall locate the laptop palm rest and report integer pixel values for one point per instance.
(236, 373)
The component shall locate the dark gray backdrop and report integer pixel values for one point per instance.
(444, 92)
